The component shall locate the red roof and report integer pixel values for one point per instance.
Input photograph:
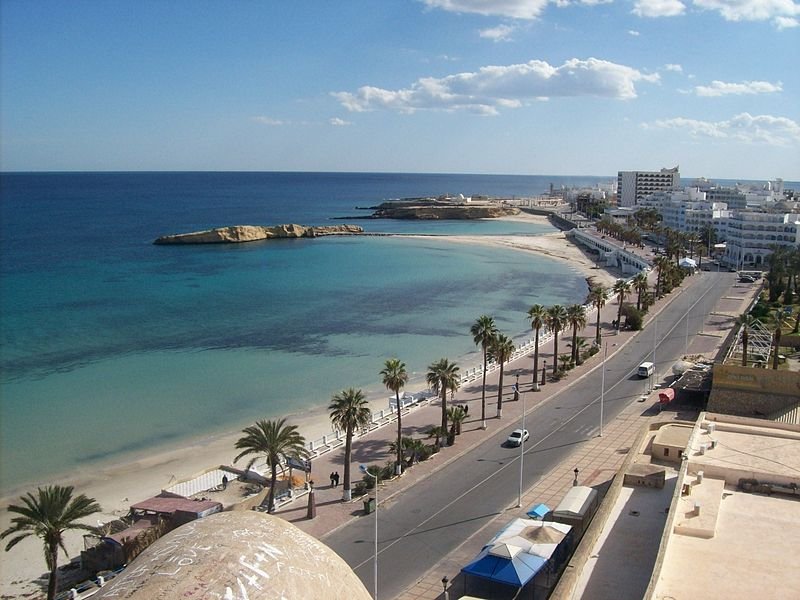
(133, 531)
(666, 395)
(167, 506)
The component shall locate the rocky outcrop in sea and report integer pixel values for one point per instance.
(237, 234)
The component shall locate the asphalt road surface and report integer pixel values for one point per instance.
(421, 525)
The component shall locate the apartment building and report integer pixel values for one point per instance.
(689, 210)
(633, 186)
(752, 234)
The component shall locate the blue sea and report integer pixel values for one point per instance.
(112, 345)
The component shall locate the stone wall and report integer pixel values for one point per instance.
(749, 392)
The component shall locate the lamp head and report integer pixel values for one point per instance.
(362, 468)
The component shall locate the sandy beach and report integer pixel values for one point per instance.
(117, 485)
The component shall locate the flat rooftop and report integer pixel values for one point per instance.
(752, 554)
(747, 448)
(723, 542)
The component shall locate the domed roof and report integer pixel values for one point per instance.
(235, 556)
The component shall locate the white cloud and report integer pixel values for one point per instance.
(673, 67)
(720, 88)
(494, 87)
(658, 8)
(336, 121)
(269, 121)
(501, 33)
(633, 33)
(751, 10)
(785, 22)
(763, 129)
(515, 9)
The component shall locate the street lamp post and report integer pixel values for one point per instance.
(363, 469)
(445, 595)
(521, 454)
(544, 372)
(575, 481)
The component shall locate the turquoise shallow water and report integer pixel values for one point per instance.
(112, 345)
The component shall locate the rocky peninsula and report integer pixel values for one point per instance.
(238, 234)
(443, 207)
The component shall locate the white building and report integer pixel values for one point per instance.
(689, 211)
(752, 234)
(633, 186)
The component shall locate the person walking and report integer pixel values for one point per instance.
(336, 479)
(333, 479)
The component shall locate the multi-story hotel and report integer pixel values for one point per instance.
(633, 186)
(751, 235)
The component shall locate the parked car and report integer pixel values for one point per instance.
(517, 437)
(746, 279)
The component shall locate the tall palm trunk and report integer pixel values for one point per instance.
(500, 393)
(273, 480)
(348, 449)
(52, 584)
(555, 351)
(575, 344)
(399, 468)
(536, 358)
(744, 347)
(777, 345)
(597, 337)
(483, 391)
(444, 416)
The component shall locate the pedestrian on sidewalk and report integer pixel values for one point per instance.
(336, 479)
(333, 479)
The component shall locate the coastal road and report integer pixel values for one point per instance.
(419, 526)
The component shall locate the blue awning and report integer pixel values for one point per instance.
(539, 511)
(516, 571)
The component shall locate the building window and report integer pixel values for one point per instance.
(666, 451)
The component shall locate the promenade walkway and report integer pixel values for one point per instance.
(373, 448)
(597, 460)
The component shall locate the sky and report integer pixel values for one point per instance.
(540, 87)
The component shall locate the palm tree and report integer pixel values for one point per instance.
(640, 286)
(47, 516)
(349, 411)
(483, 330)
(456, 416)
(621, 288)
(278, 442)
(500, 351)
(746, 321)
(576, 318)
(776, 337)
(597, 297)
(436, 431)
(443, 377)
(662, 264)
(556, 319)
(538, 316)
(578, 348)
(395, 377)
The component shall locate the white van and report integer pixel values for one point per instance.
(646, 369)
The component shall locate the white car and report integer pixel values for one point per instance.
(517, 437)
